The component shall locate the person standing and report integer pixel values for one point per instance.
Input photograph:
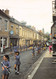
(33, 51)
(5, 67)
(17, 62)
(50, 48)
(11, 47)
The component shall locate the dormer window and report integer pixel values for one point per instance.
(11, 26)
(6, 20)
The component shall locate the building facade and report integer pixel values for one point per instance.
(27, 36)
(14, 33)
(4, 30)
(53, 30)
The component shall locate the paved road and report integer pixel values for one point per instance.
(47, 68)
(26, 62)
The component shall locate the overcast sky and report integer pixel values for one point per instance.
(36, 13)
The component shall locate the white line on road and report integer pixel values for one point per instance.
(36, 68)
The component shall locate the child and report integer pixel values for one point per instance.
(5, 67)
(33, 51)
(17, 62)
(38, 49)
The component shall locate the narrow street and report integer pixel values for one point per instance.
(26, 62)
(46, 69)
(27, 39)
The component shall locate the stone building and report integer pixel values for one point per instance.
(4, 30)
(53, 30)
(14, 32)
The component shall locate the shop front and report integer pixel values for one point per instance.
(14, 41)
(3, 43)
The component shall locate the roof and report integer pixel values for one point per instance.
(28, 27)
(15, 21)
(4, 14)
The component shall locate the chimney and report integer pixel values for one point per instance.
(3, 10)
(7, 11)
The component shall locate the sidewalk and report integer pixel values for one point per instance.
(8, 53)
(46, 70)
(48, 54)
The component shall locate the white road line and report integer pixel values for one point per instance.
(36, 68)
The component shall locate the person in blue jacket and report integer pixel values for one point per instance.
(16, 48)
(17, 62)
(5, 67)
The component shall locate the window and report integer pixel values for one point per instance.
(6, 24)
(0, 22)
(11, 26)
(17, 30)
(5, 41)
(23, 32)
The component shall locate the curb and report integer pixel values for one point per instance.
(34, 67)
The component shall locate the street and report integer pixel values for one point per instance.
(46, 67)
(27, 39)
(27, 60)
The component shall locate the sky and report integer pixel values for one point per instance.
(36, 13)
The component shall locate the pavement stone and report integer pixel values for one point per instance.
(47, 69)
(48, 54)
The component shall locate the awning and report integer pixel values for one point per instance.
(14, 36)
(49, 40)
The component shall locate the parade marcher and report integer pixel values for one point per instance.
(33, 51)
(54, 44)
(38, 49)
(4, 48)
(11, 47)
(5, 67)
(17, 62)
(16, 48)
(50, 48)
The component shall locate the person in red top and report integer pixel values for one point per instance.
(50, 48)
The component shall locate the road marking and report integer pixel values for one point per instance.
(36, 68)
